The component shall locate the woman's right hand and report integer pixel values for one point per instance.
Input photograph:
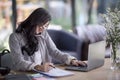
(45, 67)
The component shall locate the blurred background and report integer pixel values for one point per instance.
(69, 15)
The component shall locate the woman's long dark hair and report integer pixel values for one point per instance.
(28, 27)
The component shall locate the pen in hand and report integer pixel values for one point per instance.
(52, 66)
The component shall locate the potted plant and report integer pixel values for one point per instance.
(112, 25)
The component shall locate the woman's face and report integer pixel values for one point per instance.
(40, 29)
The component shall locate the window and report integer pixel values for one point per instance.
(5, 22)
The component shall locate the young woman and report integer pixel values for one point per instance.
(31, 46)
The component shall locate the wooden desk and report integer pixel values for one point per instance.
(102, 73)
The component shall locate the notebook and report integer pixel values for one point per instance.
(39, 76)
(56, 72)
(96, 55)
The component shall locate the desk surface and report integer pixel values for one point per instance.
(102, 73)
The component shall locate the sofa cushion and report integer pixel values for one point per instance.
(92, 33)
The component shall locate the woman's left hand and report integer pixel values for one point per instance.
(76, 62)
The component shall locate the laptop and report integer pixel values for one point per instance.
(96, 55)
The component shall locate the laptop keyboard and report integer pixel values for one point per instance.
(81, 68)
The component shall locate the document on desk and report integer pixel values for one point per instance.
(56, 72)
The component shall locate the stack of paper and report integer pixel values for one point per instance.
(40, 77)
(56, 72)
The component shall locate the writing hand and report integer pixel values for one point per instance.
(51, 65)
(44, 67)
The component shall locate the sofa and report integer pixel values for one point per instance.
(90, 34)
